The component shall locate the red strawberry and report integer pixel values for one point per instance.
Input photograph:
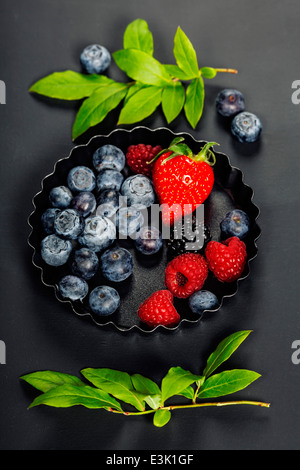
(158, 309)
(186, 274)
(227, 259)
(182, 180)
(138, 155)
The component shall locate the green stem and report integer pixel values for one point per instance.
(193, 405)
(224, 403)
(227, 70)
(206, 154)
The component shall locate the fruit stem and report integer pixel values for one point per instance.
(227, 70)
(193, 405)
(206, 154)
(224, 403)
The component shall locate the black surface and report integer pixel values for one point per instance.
(261, 40)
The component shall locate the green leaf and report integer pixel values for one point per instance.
(133, 89)
(173, 97)
(161, 418)
(147, 387)
(208, 72)
(224, 350)
(227, 382)
(176, 380)
(65, 396)
(176, 72)
(185, 54)
(138, 36)
(140, 105)
(116, 383)
(69, 85)
(95, 108)
(194, 101)
(46, 380)
(142, 67)
(188, 393)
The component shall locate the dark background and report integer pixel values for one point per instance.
(261, 40)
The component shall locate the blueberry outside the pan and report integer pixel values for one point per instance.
(95, 58)
(229, 102)
(246, 127)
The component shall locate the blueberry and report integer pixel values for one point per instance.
(246, 127)
(129, 220)
(60, 197)
(55, 251)
(73, 287)
(68, 224)
(98, 234)
(84, 203)
(203, 300)
(108, 202)
(116, 264)
(104, 300)
(84, 263)
(109, 179)
(109, 157)
(95, 58)
(236, 223)
(149, 240)
(139, 190)
(81, 178)
(230, 102)
(47, 219)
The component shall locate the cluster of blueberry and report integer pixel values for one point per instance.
(245, 126)
(82, 225)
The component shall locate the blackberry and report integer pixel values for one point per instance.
(181, 243)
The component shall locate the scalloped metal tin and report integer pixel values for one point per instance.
(230, 191)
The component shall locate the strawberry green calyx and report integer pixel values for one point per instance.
(206, 154)
(177, 147)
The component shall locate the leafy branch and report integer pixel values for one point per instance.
(114, 390)
(152, 83)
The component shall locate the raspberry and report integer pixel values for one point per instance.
(158, 309)
(227, 259)
(186, 274)
(138, 155)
